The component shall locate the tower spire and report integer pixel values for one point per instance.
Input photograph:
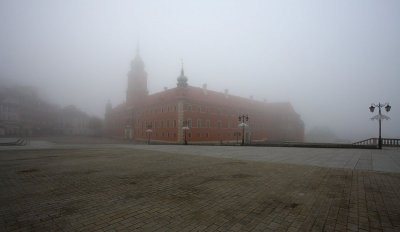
(138, 48)
(182, 72)
(182, 80)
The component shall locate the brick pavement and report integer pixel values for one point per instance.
(137, 190)
(386, 160)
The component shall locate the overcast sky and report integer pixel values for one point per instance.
(330, 59)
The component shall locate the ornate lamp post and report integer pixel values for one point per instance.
(185, 128)
(148, 132)
(242, 119)
(380, 117)
(237, 134)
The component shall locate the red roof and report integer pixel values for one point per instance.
(210, 97)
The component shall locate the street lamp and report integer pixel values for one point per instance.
(185, 128)
(380, 117)
(242, 119)
(237, 134)
(148, 132)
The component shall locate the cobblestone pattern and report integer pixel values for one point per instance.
(386, 160)
(136, 190)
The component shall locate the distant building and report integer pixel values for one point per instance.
(24, 113)
(9, 114)
(72, 121)
(211, 116)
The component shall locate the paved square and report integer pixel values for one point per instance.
(387, 159)
(128, 189)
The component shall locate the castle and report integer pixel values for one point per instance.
(197, 115)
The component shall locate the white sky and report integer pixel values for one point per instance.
(330, 59)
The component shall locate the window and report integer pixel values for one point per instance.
(206, 109)
(175, 108)
(162, 134)
(199, 123)
(162, 123)
(219, 123)
(167, 123)
(199, 109)
(219, 134)
(207, 123)
(229, 124)
(155, 123)
(207, 135)
(168, 108)
(190, 134)
(189, 123)
(189, 108)
(162, 109)
(198, 134)
(174, 134)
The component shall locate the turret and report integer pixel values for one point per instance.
(182, 79)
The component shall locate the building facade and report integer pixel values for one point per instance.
(72, 121)
(197, 115)
(24, 113)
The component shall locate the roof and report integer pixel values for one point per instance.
(210, 97)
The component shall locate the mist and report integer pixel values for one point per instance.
(330, 59)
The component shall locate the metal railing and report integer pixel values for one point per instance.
(387, 142)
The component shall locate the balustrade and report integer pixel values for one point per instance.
(387, 142)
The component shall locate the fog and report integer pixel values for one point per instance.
(330, 59)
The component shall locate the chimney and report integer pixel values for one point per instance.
(226, 93)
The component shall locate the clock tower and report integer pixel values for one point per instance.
(137, 82)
